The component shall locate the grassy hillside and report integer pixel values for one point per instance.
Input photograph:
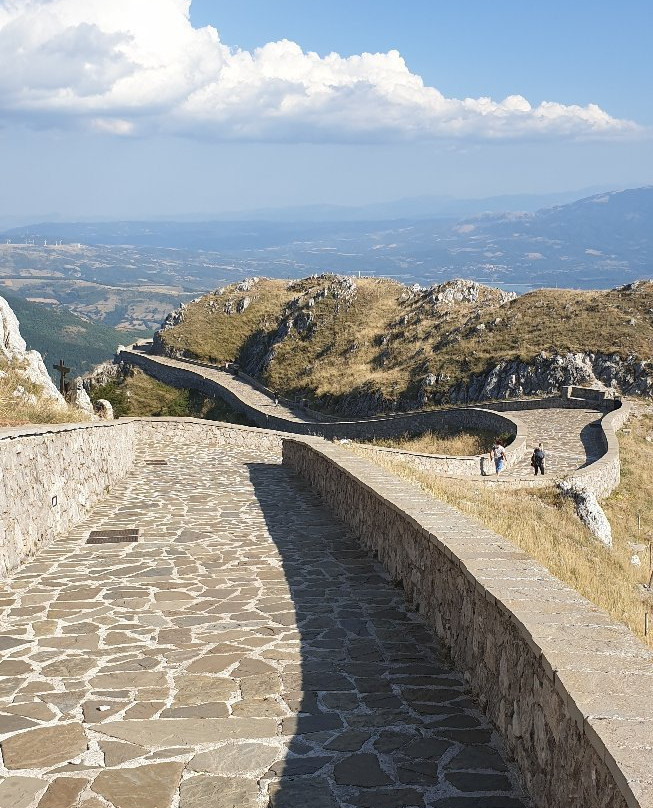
(57, 334)
(139, 395)
(544, 525)
(334, 339)
(31, 407)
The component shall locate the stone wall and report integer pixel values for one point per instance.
(567, 687)
(51, 476)
(212, 382)
(210, 433)
(604, 475)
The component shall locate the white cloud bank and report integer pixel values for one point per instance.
(138, 66)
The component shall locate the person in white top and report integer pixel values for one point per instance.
(498, 454)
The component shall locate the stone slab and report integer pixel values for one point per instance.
(150, 786)
(41, 748)
(187, 731)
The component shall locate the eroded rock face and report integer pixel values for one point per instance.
(464, 291)
(590, 513)
(104, 409)
(27, 363)
(78, 397)
(547, 374)
(103, 374)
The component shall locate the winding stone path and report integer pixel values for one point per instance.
(571, 437)
(244, 652)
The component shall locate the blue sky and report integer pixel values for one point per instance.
(138, 108)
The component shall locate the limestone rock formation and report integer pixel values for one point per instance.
(28, 364)
(589, 511)
(79, 398)
(463, 291)
(103, 374)
(104, 409)
(547, 374)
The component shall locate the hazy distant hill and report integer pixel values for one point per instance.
(596, 238)
(597, 242)
(57, 334)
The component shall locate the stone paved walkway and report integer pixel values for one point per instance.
(244, 652)
(570, 440)
(239, 386)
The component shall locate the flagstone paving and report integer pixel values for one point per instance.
(571, 440)
(244, 652)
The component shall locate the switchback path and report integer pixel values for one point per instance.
(244, 651)
(571, 437)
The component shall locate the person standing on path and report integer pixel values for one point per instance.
(498, 454)
(537, 460)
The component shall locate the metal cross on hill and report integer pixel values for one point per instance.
(63, 370)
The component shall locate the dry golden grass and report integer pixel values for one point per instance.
(544, 525)
(213, 336)
(454, 444)
(385, 340)
(634, 497)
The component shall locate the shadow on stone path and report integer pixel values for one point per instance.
(382, 719)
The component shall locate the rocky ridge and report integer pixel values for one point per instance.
(362, 346)
(26, 367)
(547, 374)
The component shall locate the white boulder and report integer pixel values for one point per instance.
(590, 513)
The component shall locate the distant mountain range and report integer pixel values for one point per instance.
(597, 242)
(417, 207)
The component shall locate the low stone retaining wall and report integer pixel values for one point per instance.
(452, 465)
(567, 687)
(208, 382)
(604, 475)
(52, 476)
(441, 465)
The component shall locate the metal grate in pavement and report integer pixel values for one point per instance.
(156, 462)
(113, 536)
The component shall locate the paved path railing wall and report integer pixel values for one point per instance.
(601, 477)
(50, 478)
(567, 687)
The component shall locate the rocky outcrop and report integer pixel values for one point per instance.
(79, 398)
(457, 291)
(104, 374)
(104, 409)
(588, 510)
(547, 374)
(26, 364)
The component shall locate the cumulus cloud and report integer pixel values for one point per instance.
(129, 67)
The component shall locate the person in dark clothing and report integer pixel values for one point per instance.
(537, 460)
